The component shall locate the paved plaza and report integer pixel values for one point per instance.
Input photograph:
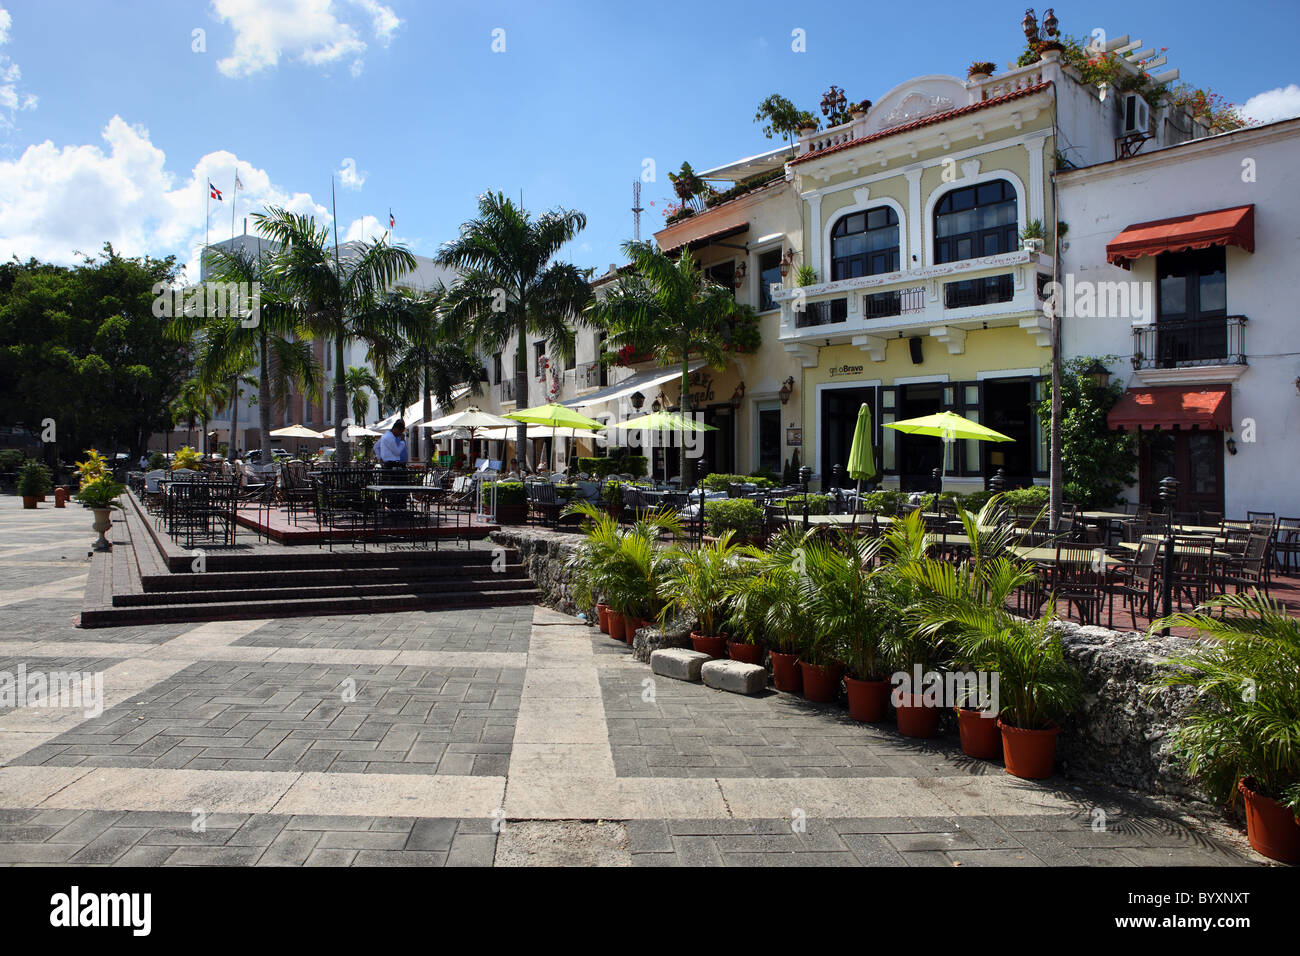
(506, 736)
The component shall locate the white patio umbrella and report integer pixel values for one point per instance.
(298, 432)
(361, 431)
(471, 419)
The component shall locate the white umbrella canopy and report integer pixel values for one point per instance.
(361, 431)
(470, 418)
(297, 431)
(534, 431)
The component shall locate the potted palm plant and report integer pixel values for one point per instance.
(588, 562)
(637, 571)
(1239, 737)
(100, 495)
(769, 606)
(700, 581)
(34, 483)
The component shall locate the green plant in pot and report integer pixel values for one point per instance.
(100, 495)
(1241, 734)
(585, 563)
(635, 572)
(512, 501)
(768, 606)
(34, 482)
(742, 517)
(700, 581)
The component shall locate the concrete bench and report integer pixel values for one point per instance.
(734, 676)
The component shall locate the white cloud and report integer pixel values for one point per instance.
(311, 32)
(349, 176)
(12, 99)
(365, 229)
(56, 202)
(1272, 105)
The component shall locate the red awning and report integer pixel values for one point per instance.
(1174, 406)
(1222, 227)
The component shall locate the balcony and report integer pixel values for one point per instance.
(1174, 350)
(946, 301)
(506, 390)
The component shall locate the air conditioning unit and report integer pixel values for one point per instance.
(1137, 114)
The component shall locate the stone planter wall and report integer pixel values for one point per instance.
(1120, 733)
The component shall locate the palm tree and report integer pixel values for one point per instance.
(273, 341)
(511, 288)
(339, 296)
(357, 380)
(670, 309)
(193, 404)
(423, 359)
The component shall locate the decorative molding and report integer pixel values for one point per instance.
(970, 169)
(861, 195)
(915, 105)
(1196, 375)
(1040, 328)
(952, 337)
(806, 354)
(873, 345)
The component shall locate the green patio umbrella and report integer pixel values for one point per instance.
(667, 422)
(557, 416)
(862, 459)
(950, 427)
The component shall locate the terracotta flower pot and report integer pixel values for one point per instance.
(785, 672)
(915, 719)
(821, 684)
(745, 653)
(1030, 754)
(868, 699)
(616, 625)
(706, 644)
(1272, 829)
(980, 736)
(602, 617)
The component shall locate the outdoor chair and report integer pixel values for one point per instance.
(1286, 547)
(1193, 568)
(1078, 581)
(295, 490)
(343, 511)
(1248, 571)
(1135, 583)
(1210, 519)
(543, 503)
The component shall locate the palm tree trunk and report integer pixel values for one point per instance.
(685, 412)
(340, 405)
(264, 400)
(425, 435)
(234, 417)
(521, 394)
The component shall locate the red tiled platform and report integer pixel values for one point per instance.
(278, 526)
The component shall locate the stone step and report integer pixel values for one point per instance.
(377, 588)
(321, 577)
(226, 610)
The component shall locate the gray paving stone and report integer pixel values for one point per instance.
(678, 663)
(735, 677)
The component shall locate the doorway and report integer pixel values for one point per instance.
(769, 437)
(1193, 457)
(720, 445)
(918, 455)
(1008, 408)
(839, 420)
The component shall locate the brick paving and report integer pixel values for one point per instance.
(242, 743)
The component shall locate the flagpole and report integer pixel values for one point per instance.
(234, 199)
(207, 218)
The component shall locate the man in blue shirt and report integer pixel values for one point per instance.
(391, 450)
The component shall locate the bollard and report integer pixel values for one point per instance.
(61, 495)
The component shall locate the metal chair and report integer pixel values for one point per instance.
(1136, 582)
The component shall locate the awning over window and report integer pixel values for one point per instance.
(1169, 406)
(1222, 227)
(640, 382)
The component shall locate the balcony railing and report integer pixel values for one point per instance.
(1191, 343)
(983, 291)
(591, 376)
(828, 312)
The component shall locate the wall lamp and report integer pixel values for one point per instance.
(738, 395)
(787, 388)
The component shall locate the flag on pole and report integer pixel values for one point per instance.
(392, 223)
(238, 184)
(214, 192)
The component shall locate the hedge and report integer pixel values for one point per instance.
(741, 515)
(717, 481)
(817, 504)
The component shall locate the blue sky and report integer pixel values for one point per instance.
(110, 121)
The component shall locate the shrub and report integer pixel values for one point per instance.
(638, 466)
(817, 504)
(717, 481)
(11, 459)
(509, 492)
(187, 457)
(612, 493)
(101, 492)
(740, 515)
(34, 480)
(157, 461)
(1035, 496)
(975, 500)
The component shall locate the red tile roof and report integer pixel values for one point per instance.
(926, 121)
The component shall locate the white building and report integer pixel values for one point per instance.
(1188, 256)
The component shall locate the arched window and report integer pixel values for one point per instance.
(976, 221)
(865, 244)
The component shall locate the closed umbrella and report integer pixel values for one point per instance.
(949, 427)
(862, 459)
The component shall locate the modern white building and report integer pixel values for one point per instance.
(1188, 256)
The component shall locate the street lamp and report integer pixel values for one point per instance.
(1098, 374)
(637, 400)
(1168, 494)
(805, 475)
(701, 472)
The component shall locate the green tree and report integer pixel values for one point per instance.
(670, 309)
(81, 345)
(511, 287)
(1099, 464)
(360, 382)
(782, 118)
(339, 295)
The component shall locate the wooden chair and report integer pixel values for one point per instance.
(1286, 545)
(1248, 571)
(1136, 582)
(1078, 580)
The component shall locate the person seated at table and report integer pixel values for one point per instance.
(514, 471)
(391, 448)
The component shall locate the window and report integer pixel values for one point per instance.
(1191, 306)
(496, 369)
(865, 244)
(769, 271)
(975, 221)
(539, 350)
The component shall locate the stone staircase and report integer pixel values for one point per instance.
(146, 579)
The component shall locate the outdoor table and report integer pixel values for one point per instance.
(1047, 556)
